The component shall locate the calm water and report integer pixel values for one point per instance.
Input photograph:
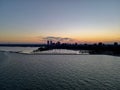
(59, 72)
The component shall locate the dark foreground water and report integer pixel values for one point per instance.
(59, 72)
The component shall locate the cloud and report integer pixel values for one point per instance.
(55, 39)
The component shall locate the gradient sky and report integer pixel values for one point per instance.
(34, 21)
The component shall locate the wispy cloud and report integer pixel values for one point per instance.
(55, 39)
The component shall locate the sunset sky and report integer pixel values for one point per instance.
(83, 21)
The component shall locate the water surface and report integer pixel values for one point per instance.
(59, 72)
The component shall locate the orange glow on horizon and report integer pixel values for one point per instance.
(77, 36)
(93, 39)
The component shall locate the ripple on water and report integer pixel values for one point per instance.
(57, 72)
